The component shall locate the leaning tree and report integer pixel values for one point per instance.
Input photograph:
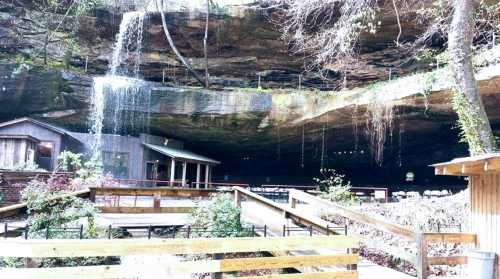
(328, 31)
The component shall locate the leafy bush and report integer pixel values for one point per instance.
(334, 186)
(69, 161)
(46, 211)
(221, 218)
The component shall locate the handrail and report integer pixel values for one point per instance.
(354, 215)
(311, 187)
(421, 260)
(317, 223)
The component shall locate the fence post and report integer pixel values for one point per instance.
(253, 230)
(6, 227)
(109, 232)
(265, 230)
(284, 230)
(149, 232)
(47, 232)
(189, 231)
(81, 231)
(157, 202)
(217, 275)
(26, 229)
(92, 194)
(292, 202)
(327, 229)
(311, 230)
(422, 265)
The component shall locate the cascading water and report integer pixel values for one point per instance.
(120, 103)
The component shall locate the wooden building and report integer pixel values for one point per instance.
(145, 158)
(484, 186)
(16, 150)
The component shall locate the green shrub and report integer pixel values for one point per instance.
(334, 186)
(220, 217)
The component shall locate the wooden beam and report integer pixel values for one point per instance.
(184, 171)
(353, 215)
(422, 265)
(143, 210)
(451, 260)
(124, 247)
(164, 191)
(198, 175)
(316, 275)
(207, 174)
(166, 270)
(464, 238)
(172, 172)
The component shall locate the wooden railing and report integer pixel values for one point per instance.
(287, 211)
(424, 261)
(114, 194)
(135, 247)
(421, 261)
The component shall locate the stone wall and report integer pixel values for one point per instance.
(13, 182)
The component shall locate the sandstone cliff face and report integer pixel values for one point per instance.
(242, 46)
(246, 128)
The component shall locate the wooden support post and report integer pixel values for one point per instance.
(157, 202)
(172, 173)
(237, 198)
(422, 265)
(207, 173)
(198, 174)
(217, 275)
(184, 170)
(291, 201)
(92, 194)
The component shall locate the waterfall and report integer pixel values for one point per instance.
(120, 100)
(129, 38)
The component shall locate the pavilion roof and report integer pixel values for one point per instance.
(181, 154)
(474, 165)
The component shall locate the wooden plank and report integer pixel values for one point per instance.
(316, 275)
(124, 247)
(144, 210)
(451, 260)
(294, 214)
(451, 237)
(163, 191)
(422, 265)
(166, 270)
(353, 215)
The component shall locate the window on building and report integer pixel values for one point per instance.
(116, 163)
(44, 151)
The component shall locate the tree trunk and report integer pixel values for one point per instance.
(473, 121)
(45, 44)
(159, 7)
(205, 39)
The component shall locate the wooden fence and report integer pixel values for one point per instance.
(421, 261)
(138, 247)
(112, 196)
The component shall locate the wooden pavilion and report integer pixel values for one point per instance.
(484, 186)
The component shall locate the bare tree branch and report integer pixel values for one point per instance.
(160, 8)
